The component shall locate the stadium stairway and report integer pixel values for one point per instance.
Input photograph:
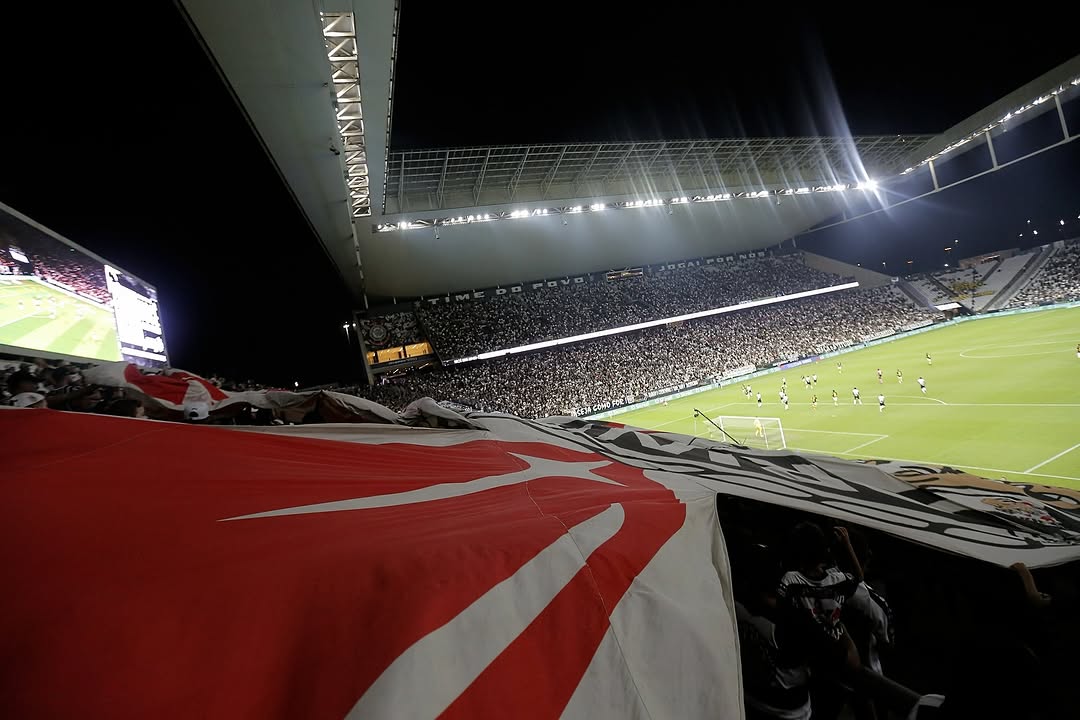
(991, 271)
(945, 289)
(913, 293)
(1021, 279)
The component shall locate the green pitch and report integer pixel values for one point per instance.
(1002, 401)
(36, 316)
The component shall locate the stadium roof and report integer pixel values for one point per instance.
(477, 176)
(316, 83)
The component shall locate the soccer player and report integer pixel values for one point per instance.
(835, 399)
(815, 378)
(899, 376)
(807, 381)
(855, 398)
(758, 430)
(929, 361)
(880, 403)
(813, 403)
(840, 368)
(784, 399)
(922, 384)
(879, 376)
(759, 399)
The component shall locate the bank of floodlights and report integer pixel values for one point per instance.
(339, 35)
(652, 202)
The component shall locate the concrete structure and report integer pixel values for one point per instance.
(316, 81)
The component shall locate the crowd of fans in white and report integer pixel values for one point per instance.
(611, 371)
(623, 368)
(1058, 281)
(465, 329)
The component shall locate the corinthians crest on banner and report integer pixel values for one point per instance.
(376, 333)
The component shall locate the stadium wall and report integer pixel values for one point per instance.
(866, 278)
(741, 378)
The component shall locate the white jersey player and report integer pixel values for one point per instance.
(880, 403)
(855, 398)
(922, 384)
(784, 399)
(759, 399)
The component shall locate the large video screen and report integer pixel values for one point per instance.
(56, 297)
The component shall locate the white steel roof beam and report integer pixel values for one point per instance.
(512, 187)
(546, 184)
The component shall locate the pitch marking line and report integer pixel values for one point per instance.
(942, 463)
(916, 397)
(1020, 405)
(672, 422)
(18, 319)
(1050, 460)
(835, 432)
(868, 442)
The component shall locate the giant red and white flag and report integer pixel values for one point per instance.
(506, 568)
(162, 570)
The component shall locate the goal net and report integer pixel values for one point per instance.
(766, 433)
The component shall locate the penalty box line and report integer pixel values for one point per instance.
(1052, 459)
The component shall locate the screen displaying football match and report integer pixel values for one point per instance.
(56, 297)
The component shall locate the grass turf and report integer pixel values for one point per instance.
(1002, 401)
(36, 316)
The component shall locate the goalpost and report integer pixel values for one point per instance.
(766, 433)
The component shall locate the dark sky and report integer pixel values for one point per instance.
(124, 140)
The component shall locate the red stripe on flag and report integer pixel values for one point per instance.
(522, 682)
(136, 600)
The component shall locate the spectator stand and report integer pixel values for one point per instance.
(393, 339)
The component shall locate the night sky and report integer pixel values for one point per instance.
(126, 142)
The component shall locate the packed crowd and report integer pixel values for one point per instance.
(839, 622)
(466, 329)
(623, 368)
(390, 330)
(1057, 281)
(38, 383)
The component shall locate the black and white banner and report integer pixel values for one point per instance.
(991, 520)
